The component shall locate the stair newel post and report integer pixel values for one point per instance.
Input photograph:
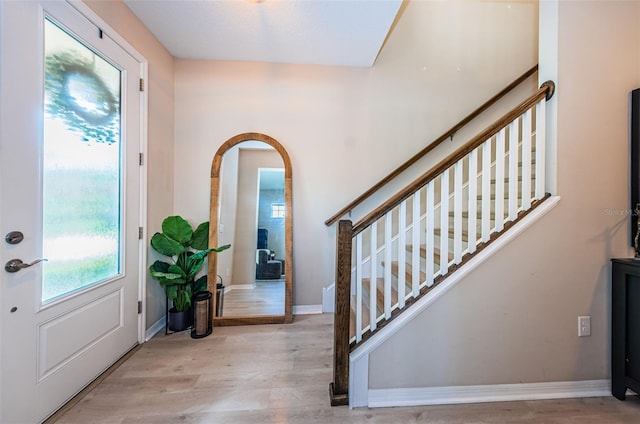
(339, 388)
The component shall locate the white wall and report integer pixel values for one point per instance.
(514, 320)
(345, 128)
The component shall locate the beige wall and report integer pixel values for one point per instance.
(345, 128)
(514, 319)
(160, 127)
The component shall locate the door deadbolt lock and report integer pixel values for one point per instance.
(14, 237)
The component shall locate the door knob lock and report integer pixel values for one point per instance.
(15, 265)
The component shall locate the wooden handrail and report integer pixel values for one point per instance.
(545, 91)
(448, 134)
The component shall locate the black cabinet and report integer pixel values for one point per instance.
(625, 327)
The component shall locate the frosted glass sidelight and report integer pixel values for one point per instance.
(82, 166)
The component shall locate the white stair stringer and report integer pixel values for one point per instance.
(359, 357)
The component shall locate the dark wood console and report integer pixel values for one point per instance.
(625, 327)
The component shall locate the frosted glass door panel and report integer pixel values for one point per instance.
(82, 169)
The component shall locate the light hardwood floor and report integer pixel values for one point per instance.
(265, 298)
(281, 374)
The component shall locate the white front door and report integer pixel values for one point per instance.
(70, 115)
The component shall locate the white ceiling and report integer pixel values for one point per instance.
(322, 32)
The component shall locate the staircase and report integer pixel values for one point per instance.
(399, 252)
(402, 273)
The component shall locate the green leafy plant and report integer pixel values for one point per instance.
(187, 249)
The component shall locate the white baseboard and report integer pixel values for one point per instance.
(487, 393)
(230, 287)
(307, 309)
(157, 327)
(329, 299)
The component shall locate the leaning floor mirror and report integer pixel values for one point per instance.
(251, 209)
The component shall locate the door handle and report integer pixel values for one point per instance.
(15, 265)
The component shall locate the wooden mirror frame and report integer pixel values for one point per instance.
(212, 270)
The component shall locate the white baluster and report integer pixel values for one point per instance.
(415, 251)
(444, 223)
(373, 284)
(541, 135)
(387, 263)
(457, 211)
(359, 287)
(485, 212)
(402, 250)
(526, 160)
(473, 201)
(513, 170)
(499, 177)
(430, 211)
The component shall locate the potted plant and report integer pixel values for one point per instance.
(187, 249)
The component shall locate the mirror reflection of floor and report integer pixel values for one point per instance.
(265, 298)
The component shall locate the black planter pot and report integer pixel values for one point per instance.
(180, 321)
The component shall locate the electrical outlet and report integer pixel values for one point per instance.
(584, 326)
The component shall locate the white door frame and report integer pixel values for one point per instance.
(144, 66)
